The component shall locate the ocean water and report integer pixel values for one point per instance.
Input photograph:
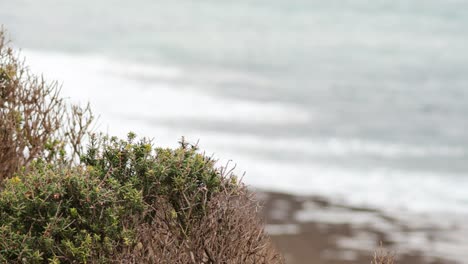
(365, 101)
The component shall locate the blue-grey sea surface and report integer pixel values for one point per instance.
(366, 100)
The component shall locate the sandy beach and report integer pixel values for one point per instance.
(313, 230)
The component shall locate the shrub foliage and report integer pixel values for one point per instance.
(34, 120)
(131, 202)
(65, 216)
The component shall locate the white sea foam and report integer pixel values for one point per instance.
(383, 188)
(337, 147)
(117, 88)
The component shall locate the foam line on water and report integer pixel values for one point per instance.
(382, 188)
(336, 147)
(113, 87)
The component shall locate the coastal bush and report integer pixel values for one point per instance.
(229, 232)
(133, 203)
(186, 178)
(35, 121)
(64, 216)
(195, 212)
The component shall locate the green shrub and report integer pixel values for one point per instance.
(65, 215)
(183, 176)
(125, 193)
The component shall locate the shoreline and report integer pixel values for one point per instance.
(312, 229)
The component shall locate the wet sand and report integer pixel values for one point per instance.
(312, 230)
